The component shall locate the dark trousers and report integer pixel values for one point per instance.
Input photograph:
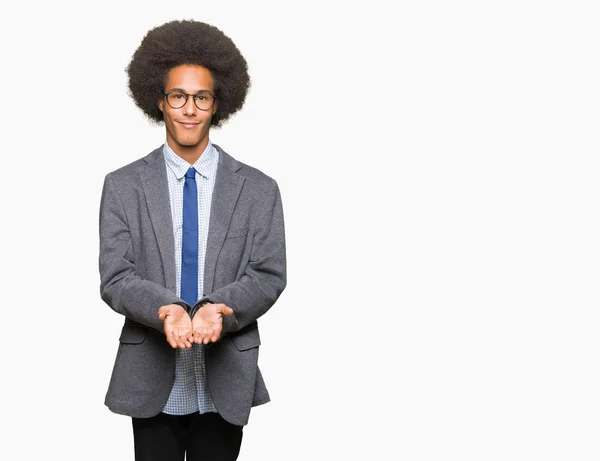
(198, 437)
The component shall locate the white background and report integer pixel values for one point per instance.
(438, 163)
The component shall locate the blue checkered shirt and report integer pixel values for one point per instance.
(190, 391)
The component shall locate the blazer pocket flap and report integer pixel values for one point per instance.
(133, 335)
(237, 233)
(246, 341)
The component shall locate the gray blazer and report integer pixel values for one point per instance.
(245, 268)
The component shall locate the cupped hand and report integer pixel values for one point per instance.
(177, 325)
(207, 324)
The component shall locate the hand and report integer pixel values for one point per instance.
(177, 325)
(207, 324)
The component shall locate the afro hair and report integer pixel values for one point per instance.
(188, 42)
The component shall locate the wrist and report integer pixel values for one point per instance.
(184, 305)
(199, 305)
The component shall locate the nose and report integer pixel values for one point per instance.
(189, 108)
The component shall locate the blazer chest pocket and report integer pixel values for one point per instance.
(133, 334)
(235, 233)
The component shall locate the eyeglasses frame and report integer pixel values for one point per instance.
(187, 96)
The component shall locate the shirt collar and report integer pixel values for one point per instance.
(205, 165)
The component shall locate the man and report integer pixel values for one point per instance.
(192, 253)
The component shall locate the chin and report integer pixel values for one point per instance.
(187, 142)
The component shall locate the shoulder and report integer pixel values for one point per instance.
(253, 176)
(126, 172)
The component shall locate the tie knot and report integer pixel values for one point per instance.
(191, 173)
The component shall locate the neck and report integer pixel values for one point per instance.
(190, 154)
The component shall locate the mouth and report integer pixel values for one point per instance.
(189, 125)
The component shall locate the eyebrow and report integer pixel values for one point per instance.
(183, 91)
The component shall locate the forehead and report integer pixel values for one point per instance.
(190, 78)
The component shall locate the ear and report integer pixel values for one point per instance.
(161, 104)
(215, 106)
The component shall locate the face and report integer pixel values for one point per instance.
(187, 127)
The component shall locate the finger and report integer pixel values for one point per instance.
(217, 333)
(226, 310)
(184, 340)
(164, 311)
(174, 336)
(171, 340)
(203, 335)
(181, 338)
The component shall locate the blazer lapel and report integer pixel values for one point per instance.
(156, 189)
(228, 185)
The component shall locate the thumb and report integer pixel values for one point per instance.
(162, 312)
(226, 310)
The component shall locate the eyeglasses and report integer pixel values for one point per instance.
(204, 100)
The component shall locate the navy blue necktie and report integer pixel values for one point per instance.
(189, 240)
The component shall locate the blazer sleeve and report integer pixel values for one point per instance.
(120, 286)
(265, 275)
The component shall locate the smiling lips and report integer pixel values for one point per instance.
(189, 124)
